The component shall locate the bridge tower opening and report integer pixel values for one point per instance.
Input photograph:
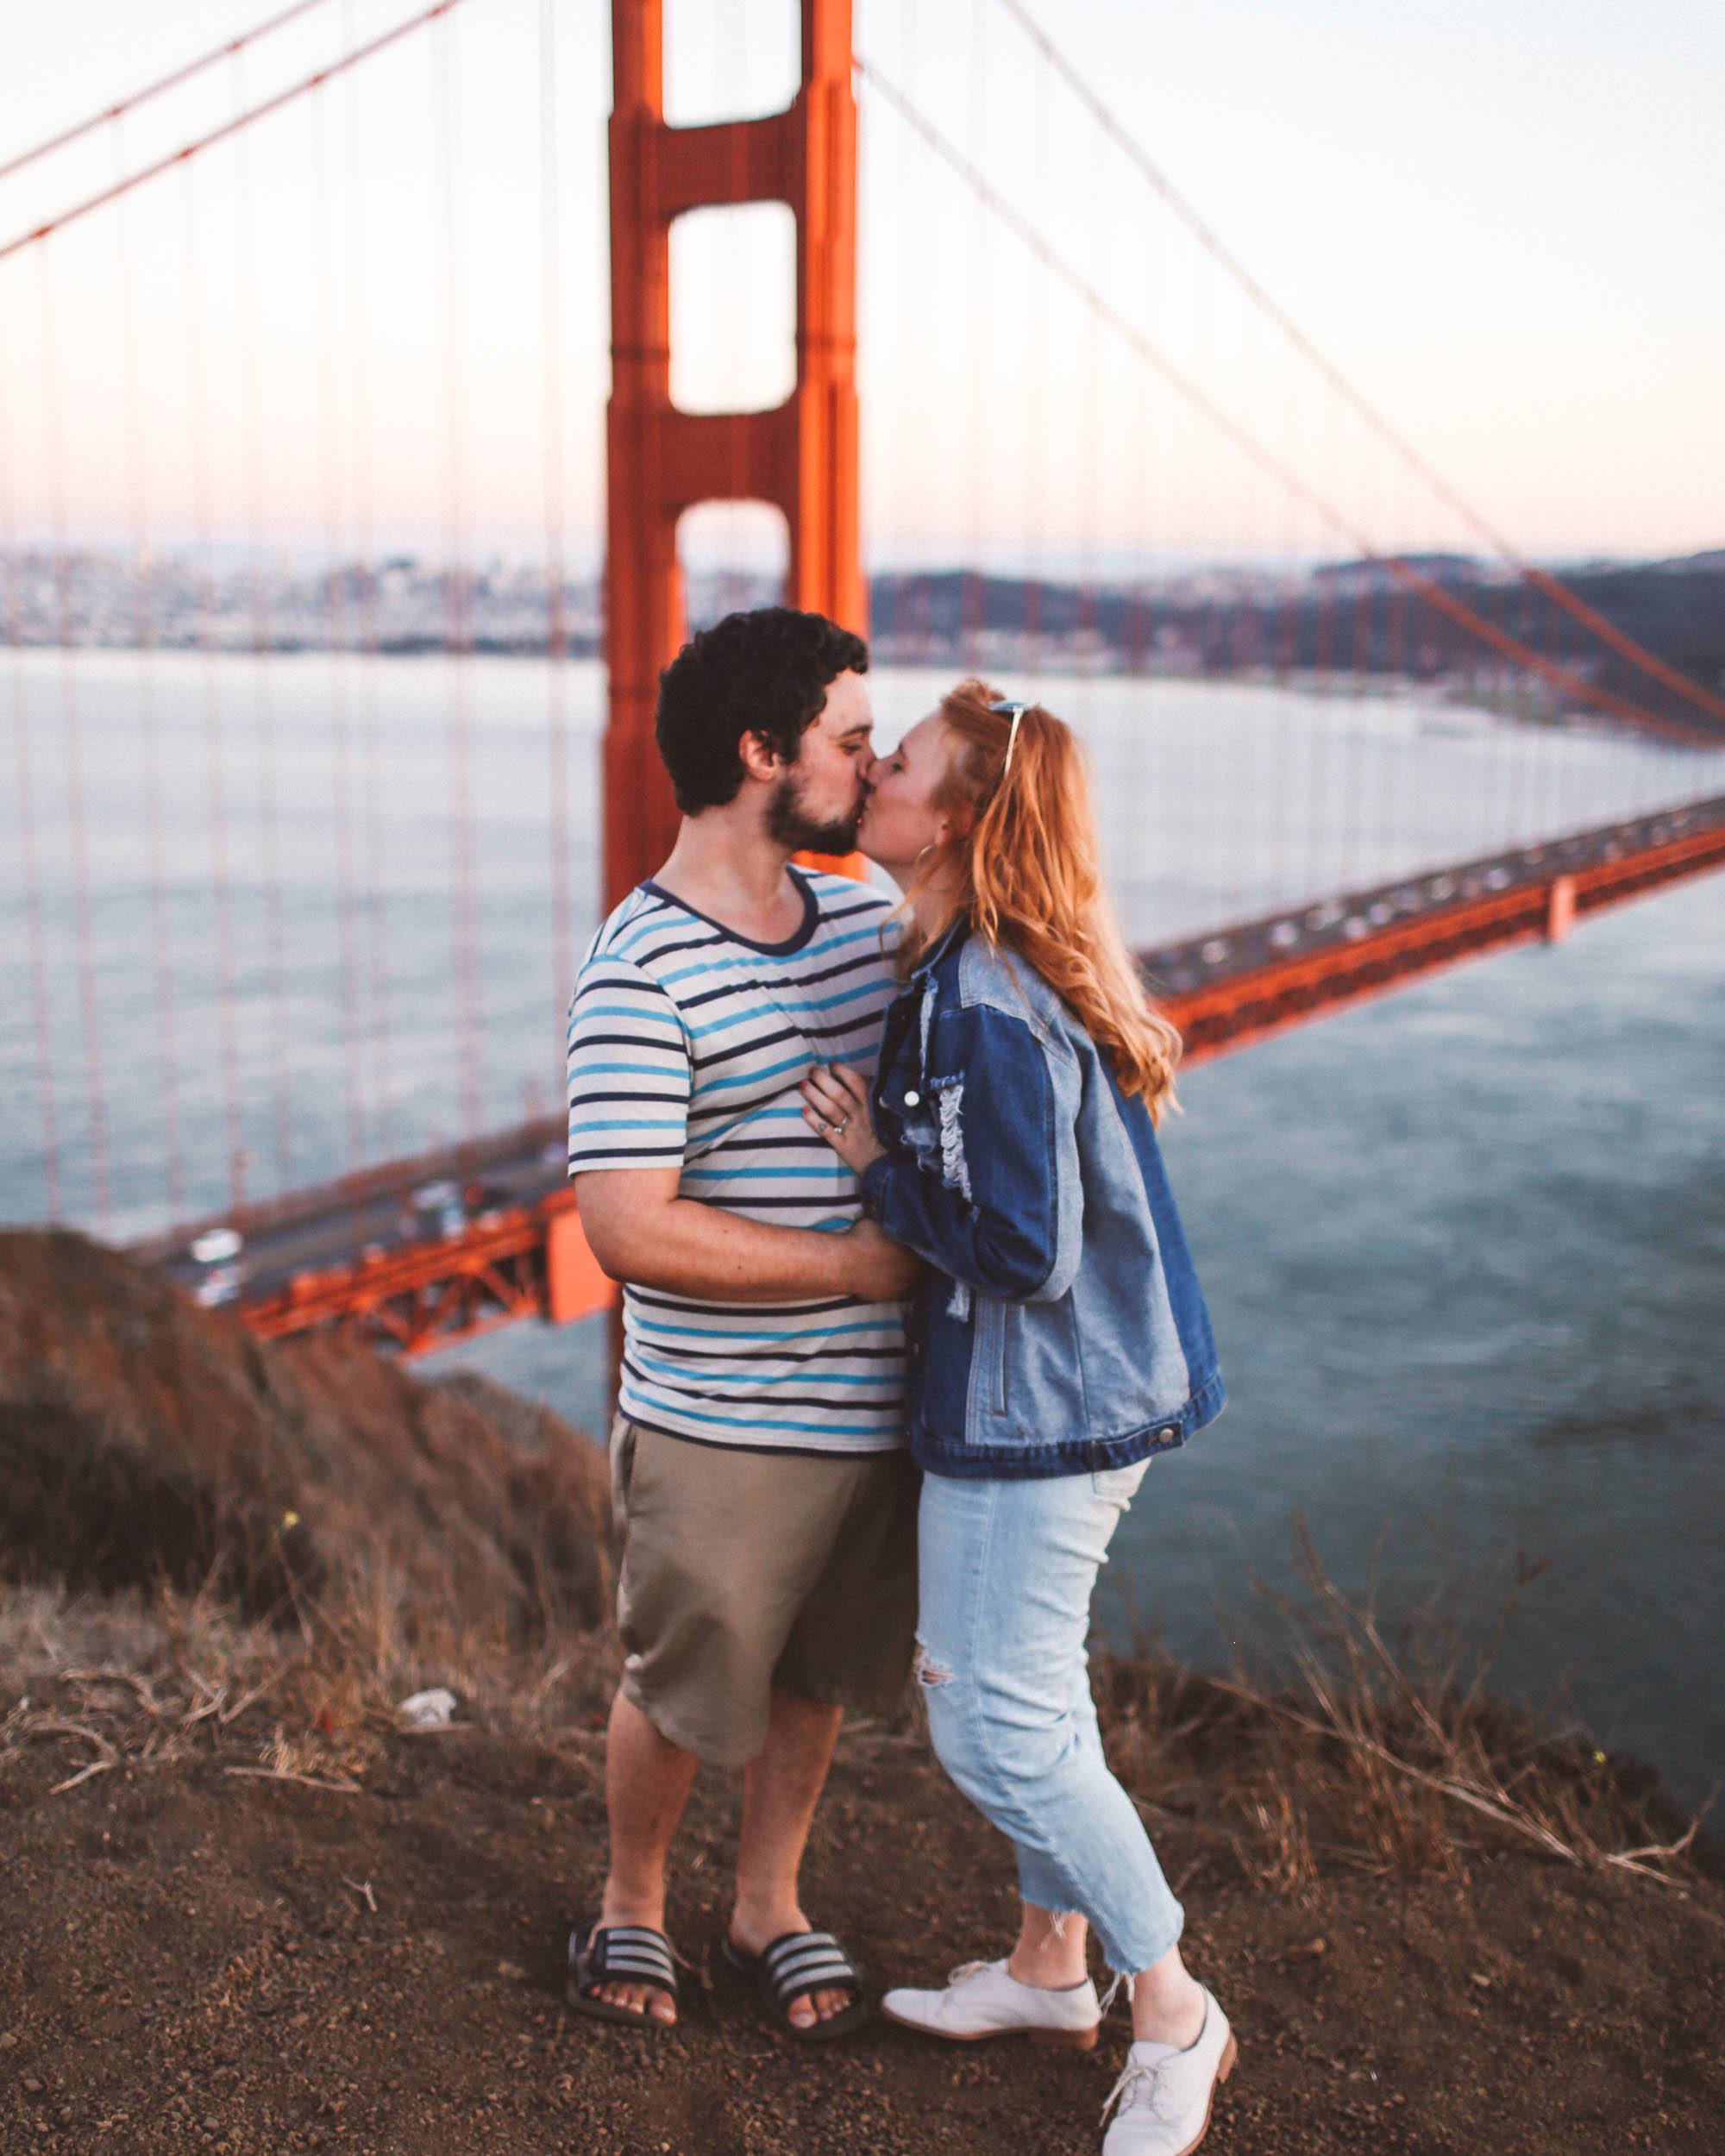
(802, 456)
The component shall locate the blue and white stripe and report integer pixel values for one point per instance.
(686, 1047)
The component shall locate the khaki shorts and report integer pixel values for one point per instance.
(747, 1572)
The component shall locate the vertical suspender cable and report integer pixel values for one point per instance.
(1537, 740)
(1284, 664)
(23, 764)
(1274, 759)
(143, 637)
(1036, 443)
(1396, 685)
(1323, 717)
(1402, 540)
(1218, 619)
(338, 636)
(1237, 654)
(216, 773)
(263, 685)
(551, 461)
(53, 439)
(1306, 663)
(1524, 702)
(884, 584)
(908, 505)
(1137, 630)
(364, 670)
(1365, 813)
(1152, 549)
(973, 600)
(917, 575)
(458, 724)
(1089, 477)
(730, 520)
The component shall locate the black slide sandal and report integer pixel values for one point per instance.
(792, 1967)
(620, 1953)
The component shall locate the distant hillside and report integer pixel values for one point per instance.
(1345, 616)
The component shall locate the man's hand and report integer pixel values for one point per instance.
(884, 1271)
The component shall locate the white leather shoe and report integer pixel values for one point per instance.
(1163, 2095)
(981, 2000)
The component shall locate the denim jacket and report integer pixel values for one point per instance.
(1066, 1330)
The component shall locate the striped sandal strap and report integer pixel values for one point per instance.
(631, 1953)
(802, 1962)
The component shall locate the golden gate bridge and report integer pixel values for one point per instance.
(1347, 583)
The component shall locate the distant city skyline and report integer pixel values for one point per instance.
(1501, 228)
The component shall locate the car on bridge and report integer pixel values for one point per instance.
(439, 1210)
(217, 1254)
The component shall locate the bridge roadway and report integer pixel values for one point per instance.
(415, 1254)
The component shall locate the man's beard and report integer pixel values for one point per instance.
(787, 823)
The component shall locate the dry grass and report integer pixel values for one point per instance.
(165, 1680)
(1391, 1761)
(1359, 1758)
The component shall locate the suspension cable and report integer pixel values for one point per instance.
(229, 126)
(155, 89)
(1247, 443)
(1626, 646)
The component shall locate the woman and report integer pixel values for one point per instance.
(1060, 1344)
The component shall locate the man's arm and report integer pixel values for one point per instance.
(641, 1232)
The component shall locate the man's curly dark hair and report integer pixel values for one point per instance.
(765, 673)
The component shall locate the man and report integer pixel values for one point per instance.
(767, 1504)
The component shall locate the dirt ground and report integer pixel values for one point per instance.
(194, 1959)
(242, 1910)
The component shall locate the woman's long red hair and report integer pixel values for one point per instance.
(1029, 878)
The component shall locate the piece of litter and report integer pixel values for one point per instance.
(427, 1710)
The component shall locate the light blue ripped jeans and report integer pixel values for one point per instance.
(1007, 1569)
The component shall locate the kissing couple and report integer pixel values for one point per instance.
(908, 1316)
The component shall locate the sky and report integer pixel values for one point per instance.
(360, 329)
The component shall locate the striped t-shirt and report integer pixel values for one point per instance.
(687, 1045)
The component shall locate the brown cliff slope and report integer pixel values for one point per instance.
(145, 1441)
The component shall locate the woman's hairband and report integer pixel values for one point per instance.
(1006, 709)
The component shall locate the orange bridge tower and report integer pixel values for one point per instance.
(800, 456)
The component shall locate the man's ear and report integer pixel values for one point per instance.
(760, 759)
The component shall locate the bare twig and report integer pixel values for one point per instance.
(549, 1683)
(215, 1698)
(50, 1725)
(1515, 1819)
(246, 1699)
(129, 1677)
(342, 1787)
(96, 1766)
